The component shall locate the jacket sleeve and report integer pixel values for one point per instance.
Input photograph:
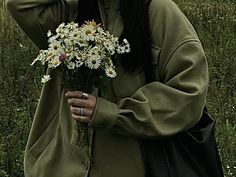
(36, 17)
(160, 109)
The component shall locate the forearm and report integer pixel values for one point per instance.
(160, 109)
(36, 17)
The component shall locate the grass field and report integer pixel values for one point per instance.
(215, 22)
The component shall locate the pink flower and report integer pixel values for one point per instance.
(62, 57)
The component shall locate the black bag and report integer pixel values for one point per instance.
(192, 153)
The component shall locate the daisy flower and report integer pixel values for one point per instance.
(68, 42)
(75, 35)
(72, 26)
(110, 47)
(93, 62)
(40, 57)
(52, 38)
(62, 25)
(55, 62)
(110, 72)
(88, 31)
(62, 32)
(82, 43)
(55, 47)
(78, 64)
(71, 65)
(79, 56)
(45, 78)
(49, 33)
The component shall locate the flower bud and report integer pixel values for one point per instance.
(62, 57)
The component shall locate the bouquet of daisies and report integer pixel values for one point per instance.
(83, 54)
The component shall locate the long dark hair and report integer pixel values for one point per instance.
(136, 31)
(87, 10)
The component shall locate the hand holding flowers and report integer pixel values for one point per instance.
(83, 55)
(76, 101)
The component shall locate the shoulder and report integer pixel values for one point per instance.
(170, 30)
(165, 17)
(163, 5)
(165, 8)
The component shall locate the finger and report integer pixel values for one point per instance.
(76, 102)
(74, 94)
(85, 96)
(77, 111)
(82, 119)
(77, 94)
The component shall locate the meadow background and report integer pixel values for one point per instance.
(215, 22)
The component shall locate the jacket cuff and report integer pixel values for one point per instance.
(105, 114)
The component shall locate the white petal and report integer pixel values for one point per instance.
(45, 78)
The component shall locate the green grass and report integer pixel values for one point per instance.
(19, 91)
(215, 22)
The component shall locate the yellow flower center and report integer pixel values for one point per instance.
(94, 62)
(55, 47)
(88, 32)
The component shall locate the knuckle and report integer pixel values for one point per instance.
(74, 117)
(90, 112)
(87, 104)
(74, 101)
(70, 101)
(74, 110)
(71, 109)
(90, 104)
(77, 93)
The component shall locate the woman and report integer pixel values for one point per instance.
(160, 88)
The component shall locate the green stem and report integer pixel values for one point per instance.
(87, 87)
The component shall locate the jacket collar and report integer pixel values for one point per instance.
(112, 21)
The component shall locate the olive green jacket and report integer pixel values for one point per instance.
(130, 109)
